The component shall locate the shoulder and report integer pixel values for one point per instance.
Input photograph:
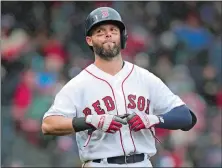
(76, 83)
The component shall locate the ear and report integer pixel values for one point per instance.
(89, 40)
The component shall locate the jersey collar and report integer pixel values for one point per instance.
(121, 75)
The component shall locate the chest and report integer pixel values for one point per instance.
(115, 97)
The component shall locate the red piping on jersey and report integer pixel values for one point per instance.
(88, 139)
(126, 106)
(115, 102)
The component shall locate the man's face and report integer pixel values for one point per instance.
(105, 41)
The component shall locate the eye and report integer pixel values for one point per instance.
(99, 31)
(114, 29)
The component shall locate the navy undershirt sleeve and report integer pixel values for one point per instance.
(177, 118)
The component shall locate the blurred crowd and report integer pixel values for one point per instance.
(43, 46)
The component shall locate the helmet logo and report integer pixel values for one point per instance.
(105, 13)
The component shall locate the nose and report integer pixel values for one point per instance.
(108, 34)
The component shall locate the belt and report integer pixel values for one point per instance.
(123, 159)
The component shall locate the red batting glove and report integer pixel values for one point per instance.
(107, 123)
(140, 120)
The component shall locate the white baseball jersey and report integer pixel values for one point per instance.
(93, 91)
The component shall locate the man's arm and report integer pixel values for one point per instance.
(177, 118)
(58, 120)
(60, 125)
(172, 112)
(57, 125)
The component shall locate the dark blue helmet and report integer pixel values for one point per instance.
(106, 15)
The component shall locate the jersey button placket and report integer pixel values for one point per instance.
(120, 103)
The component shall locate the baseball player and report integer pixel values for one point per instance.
(114, 106)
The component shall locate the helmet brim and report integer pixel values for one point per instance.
(114, 22)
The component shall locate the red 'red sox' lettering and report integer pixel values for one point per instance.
(109, 103)
(141, 103)
(147, 107)
(97, 108)
(133, 102)
(87, 111)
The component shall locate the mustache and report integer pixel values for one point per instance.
(109, 41)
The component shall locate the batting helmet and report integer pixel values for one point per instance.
(104, 15)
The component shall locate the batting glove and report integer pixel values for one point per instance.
(140, 120)
(107, 123)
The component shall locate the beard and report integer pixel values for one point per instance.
(107, 54)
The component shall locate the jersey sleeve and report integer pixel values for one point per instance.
(162, 98)
(63, 104)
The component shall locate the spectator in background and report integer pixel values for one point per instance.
(219, 98)
(193, 35)
(215, 57)
(47, 78)
(12, 46)
(23, 96)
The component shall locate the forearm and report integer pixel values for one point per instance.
(177, 118)
(57, 125)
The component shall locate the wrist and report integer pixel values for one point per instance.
(79, 124)
(154, 119)
(161, 120)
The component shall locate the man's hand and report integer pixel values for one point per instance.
(107, 123)
(140, 120)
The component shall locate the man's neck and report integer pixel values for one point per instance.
(111, 67)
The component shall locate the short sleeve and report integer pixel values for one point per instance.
(162, 98)
(63, 104)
